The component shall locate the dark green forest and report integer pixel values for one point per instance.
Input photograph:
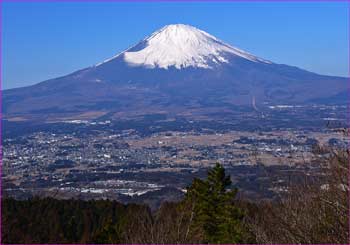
(210, 212)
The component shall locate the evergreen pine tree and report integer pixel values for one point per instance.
(214, 212)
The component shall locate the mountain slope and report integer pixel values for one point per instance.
(178, 69)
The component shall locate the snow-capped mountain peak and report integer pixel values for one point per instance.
(181, 46)
(219, 79)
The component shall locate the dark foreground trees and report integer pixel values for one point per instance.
(210, 205)
(310, 212)
(209, 213)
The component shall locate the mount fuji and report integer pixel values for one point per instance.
(178, 69)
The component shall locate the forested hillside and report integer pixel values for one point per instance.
(209, 213)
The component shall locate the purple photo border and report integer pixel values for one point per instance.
(348, 106)
(174, 1)
(1, 55)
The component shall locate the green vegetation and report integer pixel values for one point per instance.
(209, 213)
(212, 207)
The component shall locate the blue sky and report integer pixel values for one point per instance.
(45, 40)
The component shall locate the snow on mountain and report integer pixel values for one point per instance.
(126, 86)
(182, 46)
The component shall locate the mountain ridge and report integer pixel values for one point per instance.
(173, 73)
(177, 36)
